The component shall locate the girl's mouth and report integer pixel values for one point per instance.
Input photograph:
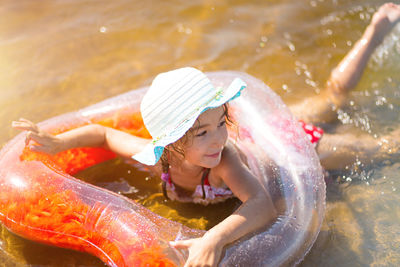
(215, 155)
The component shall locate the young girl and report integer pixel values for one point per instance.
(190, 150)
(186, 117)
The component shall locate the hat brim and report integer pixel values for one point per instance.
(153, 151)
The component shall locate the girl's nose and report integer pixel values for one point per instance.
(220, 138)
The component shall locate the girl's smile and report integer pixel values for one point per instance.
(216, 155)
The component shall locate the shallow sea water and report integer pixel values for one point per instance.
(59, 56)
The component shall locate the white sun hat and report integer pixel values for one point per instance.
(172, 104)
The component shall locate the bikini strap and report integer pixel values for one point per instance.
(166, 178)
(203, 179)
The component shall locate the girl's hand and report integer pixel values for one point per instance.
(202, 252)
(44, 142)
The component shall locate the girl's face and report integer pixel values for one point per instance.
(207, 139)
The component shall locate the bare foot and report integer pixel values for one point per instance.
(383, 21)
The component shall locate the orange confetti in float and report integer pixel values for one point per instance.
(51, 213)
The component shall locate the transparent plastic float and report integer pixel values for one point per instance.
(41, 200)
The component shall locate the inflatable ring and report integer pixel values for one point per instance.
(41, 201)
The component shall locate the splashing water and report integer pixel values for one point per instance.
(388, 53)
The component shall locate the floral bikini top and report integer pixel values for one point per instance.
(203, 194)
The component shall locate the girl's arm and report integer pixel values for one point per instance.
(256, 211)
(92, 135)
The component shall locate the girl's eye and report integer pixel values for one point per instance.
(201, 134)
(222, 123)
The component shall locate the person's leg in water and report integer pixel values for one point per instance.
(339, 150)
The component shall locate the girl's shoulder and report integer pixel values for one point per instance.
(233, 171)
